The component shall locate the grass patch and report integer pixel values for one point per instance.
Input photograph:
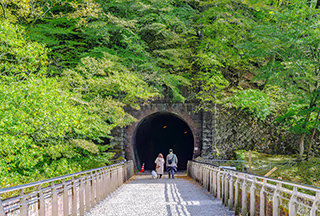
(305, 172)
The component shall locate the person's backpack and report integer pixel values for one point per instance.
(170, 160)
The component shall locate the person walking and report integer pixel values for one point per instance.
(171, 163)
(159, 165)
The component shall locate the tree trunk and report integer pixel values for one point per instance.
(301, 145)
(3, 11)
(310, 143)
(301, 142)
(312, 136)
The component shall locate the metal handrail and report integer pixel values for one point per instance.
(51, 197)
(295, 198)
(33, 184)
(251, 175)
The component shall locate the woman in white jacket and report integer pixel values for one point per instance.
(159, 165)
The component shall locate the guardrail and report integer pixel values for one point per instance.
(249, 194)
(65, 195)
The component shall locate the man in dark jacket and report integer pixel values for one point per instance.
(171, 163)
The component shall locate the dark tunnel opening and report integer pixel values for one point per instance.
(158, 133)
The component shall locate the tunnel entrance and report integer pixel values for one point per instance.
(158, 133)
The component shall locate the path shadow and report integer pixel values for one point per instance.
(184, 197)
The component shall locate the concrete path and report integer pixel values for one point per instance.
(144, 196)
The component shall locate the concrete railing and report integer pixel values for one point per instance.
(72, 194)
(249, 194)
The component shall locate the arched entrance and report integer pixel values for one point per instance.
(159, 132)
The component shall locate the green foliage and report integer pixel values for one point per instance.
(149, 38)
(219, 63)
(66, 86)
(224, 26)
(19, 56)
(64, 39)
(105, 86)
(42, 133)
(255, 101)
(265, 44)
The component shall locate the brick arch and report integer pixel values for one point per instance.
(182, 111)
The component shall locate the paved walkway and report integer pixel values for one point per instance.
(144, 196)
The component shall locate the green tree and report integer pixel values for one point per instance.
(45, 133)
(20, 56)
(286, 47)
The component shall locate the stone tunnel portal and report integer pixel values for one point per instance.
(159, 132)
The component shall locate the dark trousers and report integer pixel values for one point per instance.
(171, 171)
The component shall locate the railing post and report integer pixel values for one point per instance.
(205, 182)
(114, 179)
(201, 175)
(263, 199)
(195, 172)
(121, 175)
(108, 186)
(24, 205)
(275, 200)
(111, 180)
(65, 199)
(126, 171)
(54, 200)
(198, 172)
(81, 196)
(253, 198)
(314, 208)
(231, 197)
(101, 185)
(226, 189)
(244, 209)
(104, 185)
(236, 194)
(107, 183)
(92, 189)
(103, 179)
(208, 178)
(119, 178)
(42, 211)
(218, 185)
(214, 183)
(292, 203)
(74, 197)
(87, 193)
(97, 188)
(222, 188)
(118, 181)
(204, 176)
(2, 212)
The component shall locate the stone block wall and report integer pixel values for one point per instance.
(216, 134)
(200, 123)
(237, 130)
